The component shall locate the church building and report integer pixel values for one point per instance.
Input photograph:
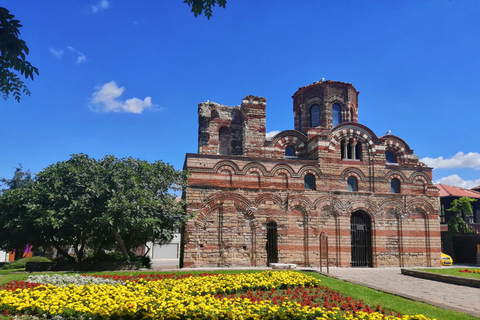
(257, 200)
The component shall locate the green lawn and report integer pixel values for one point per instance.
(370, 296)
(454, 272)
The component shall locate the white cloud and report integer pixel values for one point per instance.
(455, 180)
(460, 160)
(269, 135)
(100, 6)
(56, 53)
(80, 56)
(105, 99)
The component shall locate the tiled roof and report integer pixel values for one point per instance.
(446, 190)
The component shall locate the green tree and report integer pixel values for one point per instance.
(204, 6)
(95, 205)
(461, 208)
(20, 178)
(13, 52)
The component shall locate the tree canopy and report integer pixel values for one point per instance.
(204, 6)
(94, 205)
(13, 52)
(460, 208)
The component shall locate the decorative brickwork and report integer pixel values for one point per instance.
(298, 181)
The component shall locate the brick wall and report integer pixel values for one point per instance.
(233, 196)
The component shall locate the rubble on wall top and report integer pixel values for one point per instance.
(326, 81)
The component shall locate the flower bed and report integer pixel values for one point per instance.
(470, 271)
(265, 295)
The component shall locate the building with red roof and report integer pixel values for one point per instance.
(464, 245)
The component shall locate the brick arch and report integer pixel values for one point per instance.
(394, 207)
(290, 138)
(353, 171)
(282, 168)
(336, 207)
(270, 219)
(420, 176)
(399, 147)
(362, 205)
(309, 169)
(211, 204)
(299, 200)
(421, 206)
(268, 196)
(254, 166)
(355, 131)
(353, 112)
(291, 134)
(226, 164)
(338, 100)
(396, 174)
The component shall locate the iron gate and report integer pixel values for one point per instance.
(272, 249)
(361, 239)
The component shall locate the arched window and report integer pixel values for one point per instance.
(336, 115)
(299, 117)
(395, 186)
(352, 114)
(309, 181)
(351, 149)
(224, 140)
(314, 115)
(352, 184)
(390, 157)
(290, 151)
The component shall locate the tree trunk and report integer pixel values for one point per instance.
(119, 239)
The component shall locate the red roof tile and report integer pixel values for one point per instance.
(446, 190)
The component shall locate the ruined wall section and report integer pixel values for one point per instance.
(212, 117)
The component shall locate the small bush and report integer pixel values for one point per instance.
(19, 264)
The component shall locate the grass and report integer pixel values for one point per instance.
(370, 296)
(10, 271)
(454, 272)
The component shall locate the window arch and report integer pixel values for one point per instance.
(309, 181)
(290, 151)
(314, 115)
(224, 140)
(395, 185)
(214, 114)
(390, 157)
(352, 184)
(336, 114)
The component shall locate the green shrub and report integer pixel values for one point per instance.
(19, 264)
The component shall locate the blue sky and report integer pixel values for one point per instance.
(125, 77)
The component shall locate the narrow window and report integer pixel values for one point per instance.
(290, 151)
(395, 186)
(352, 184)
(390, 157)
(224, 138)
(314, 116)
(358, 151)
(309, 181)
(336, 115)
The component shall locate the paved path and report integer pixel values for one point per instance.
(443, 295)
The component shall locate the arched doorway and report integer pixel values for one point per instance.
(272, 248)
(361, 239)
